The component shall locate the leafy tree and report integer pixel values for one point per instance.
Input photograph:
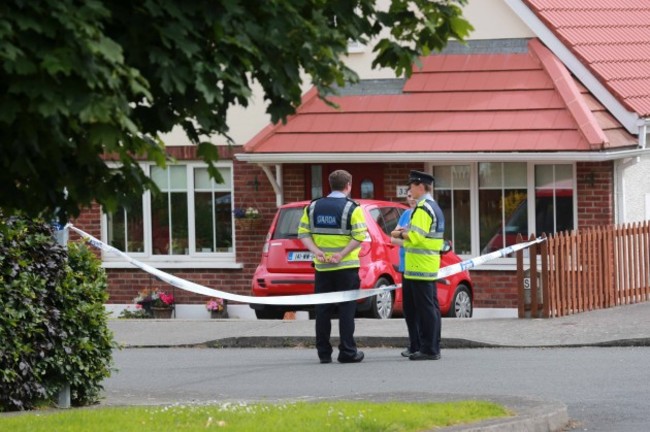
(83, 79)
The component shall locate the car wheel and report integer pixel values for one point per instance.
(461, 306)
(381, 306)
(269, 314)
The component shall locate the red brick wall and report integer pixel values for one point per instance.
(397, 174)
(595, 194)
(294, 182)
(493, 289)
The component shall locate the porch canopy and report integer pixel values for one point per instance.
(502, 107)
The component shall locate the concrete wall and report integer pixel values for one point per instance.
(633, 189)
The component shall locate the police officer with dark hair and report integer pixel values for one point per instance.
(332, 228)
(423, 242)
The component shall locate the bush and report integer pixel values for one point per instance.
(53, 325)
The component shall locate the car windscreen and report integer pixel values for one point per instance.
(288, 221)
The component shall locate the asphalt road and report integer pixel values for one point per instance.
(605, 389)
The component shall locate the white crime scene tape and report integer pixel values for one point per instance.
(303, 299)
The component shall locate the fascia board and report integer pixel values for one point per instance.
(291, 158)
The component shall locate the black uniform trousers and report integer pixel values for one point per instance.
(422, 315)
(332, 281)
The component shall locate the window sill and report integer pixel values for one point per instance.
(175, 264)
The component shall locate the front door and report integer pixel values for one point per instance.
(367, 180)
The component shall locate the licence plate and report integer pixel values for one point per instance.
(300, 256)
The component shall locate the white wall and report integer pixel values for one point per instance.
(494, 19)
(634, 188)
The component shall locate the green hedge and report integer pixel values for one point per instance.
(53, 326)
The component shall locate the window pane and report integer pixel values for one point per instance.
(544, 176)
(169, 212)
(135, 228)
(178, 178)
(316, 181)
(159, 176)
(455, 207)
(514, 175)
(116, 229)
(223, 223)
(367, 189)
(461, 176)
(564, 176)
(212, 212)
(553, 198)
(213, 222)
(180, 244)
(489, 175)
(226, 186)
(502, 204)
(490, 219)
(452, 194)
(204, 221)
(160, 224)
(202, 180)
(125, 227)
(442, 174)
(516, 215)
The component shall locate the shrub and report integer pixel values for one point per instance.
(53, 326)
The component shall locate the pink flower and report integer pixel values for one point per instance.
(168, 299)
(215, 304)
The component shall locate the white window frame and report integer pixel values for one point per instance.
(505, 263)
(204, 260)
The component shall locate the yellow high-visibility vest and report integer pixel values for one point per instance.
(331, 222)
(424, 241)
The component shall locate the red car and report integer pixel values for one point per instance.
(286, 266)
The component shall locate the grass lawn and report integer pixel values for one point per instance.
(313, 416)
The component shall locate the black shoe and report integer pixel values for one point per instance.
(356, 359)
(421, 356)
(326, 359)
(406, 353)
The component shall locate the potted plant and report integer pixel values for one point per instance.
(154, 303)
(163, 304)
(218, 308)
(144, 301)
(247, 217)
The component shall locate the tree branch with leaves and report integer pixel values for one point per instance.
(86, 82)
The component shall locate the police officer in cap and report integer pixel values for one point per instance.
(423, 242)
(332, 228)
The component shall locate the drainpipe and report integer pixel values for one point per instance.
(276, 182)
(643, 133)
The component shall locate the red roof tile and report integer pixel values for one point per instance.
(456, 103)
(611, 38)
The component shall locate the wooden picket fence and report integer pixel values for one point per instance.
(584, 270)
